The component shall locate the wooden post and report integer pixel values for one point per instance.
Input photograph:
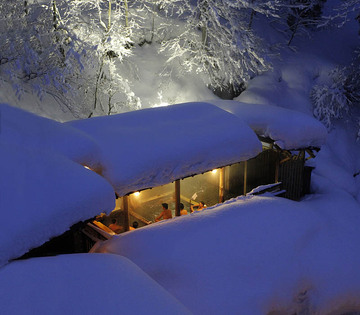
(126, 212)
(245, 177)
(221, 184)
(177, 197)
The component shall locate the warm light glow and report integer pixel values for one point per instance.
(160, 105)
(88, 167)
(137, 193)
(214, 171)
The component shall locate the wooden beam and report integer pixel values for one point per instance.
(285, 160)
(221, 184)
(177, 197)
(155, 197)
(126, 212)
(300, 155)
(139, 217)
(311, 153)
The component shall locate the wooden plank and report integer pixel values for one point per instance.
(103, 227)
(102, 232)
(177, 198)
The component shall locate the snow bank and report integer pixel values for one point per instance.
(30, 131)
(82, 284)
(254, 255)
(289, 129)
(155, 146)
(42, 195)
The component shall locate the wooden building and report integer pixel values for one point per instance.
(187, 153)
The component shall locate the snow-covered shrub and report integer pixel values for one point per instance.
(331, 100)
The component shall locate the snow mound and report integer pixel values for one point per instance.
(42, 195)
(152, 147)
(39, 133)
(82, 284)
(255, 254)
(288, 128)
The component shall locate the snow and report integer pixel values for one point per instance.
(251, 255)
(149, 65)
(31, 131)
(40, 154)
(94, 283)
(254, 254)
(260, 188)
(152, 147)
(288, 128)
(42, 194)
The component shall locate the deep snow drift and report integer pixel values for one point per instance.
(82, 284)
(254, 255)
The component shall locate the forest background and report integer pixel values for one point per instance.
(87, 58)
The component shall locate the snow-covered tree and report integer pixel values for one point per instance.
(343, 13)
(302, 15)
(338, 97)
(214, 38)
(104, 30)
(298, 18)
(342, 93)
(36, 54)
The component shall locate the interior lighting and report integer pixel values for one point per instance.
(137, 193)
(214, 171)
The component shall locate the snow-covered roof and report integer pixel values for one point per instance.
(31, 131)
(42, 190)
(42, 195)
(288, 128)
(152, 147)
